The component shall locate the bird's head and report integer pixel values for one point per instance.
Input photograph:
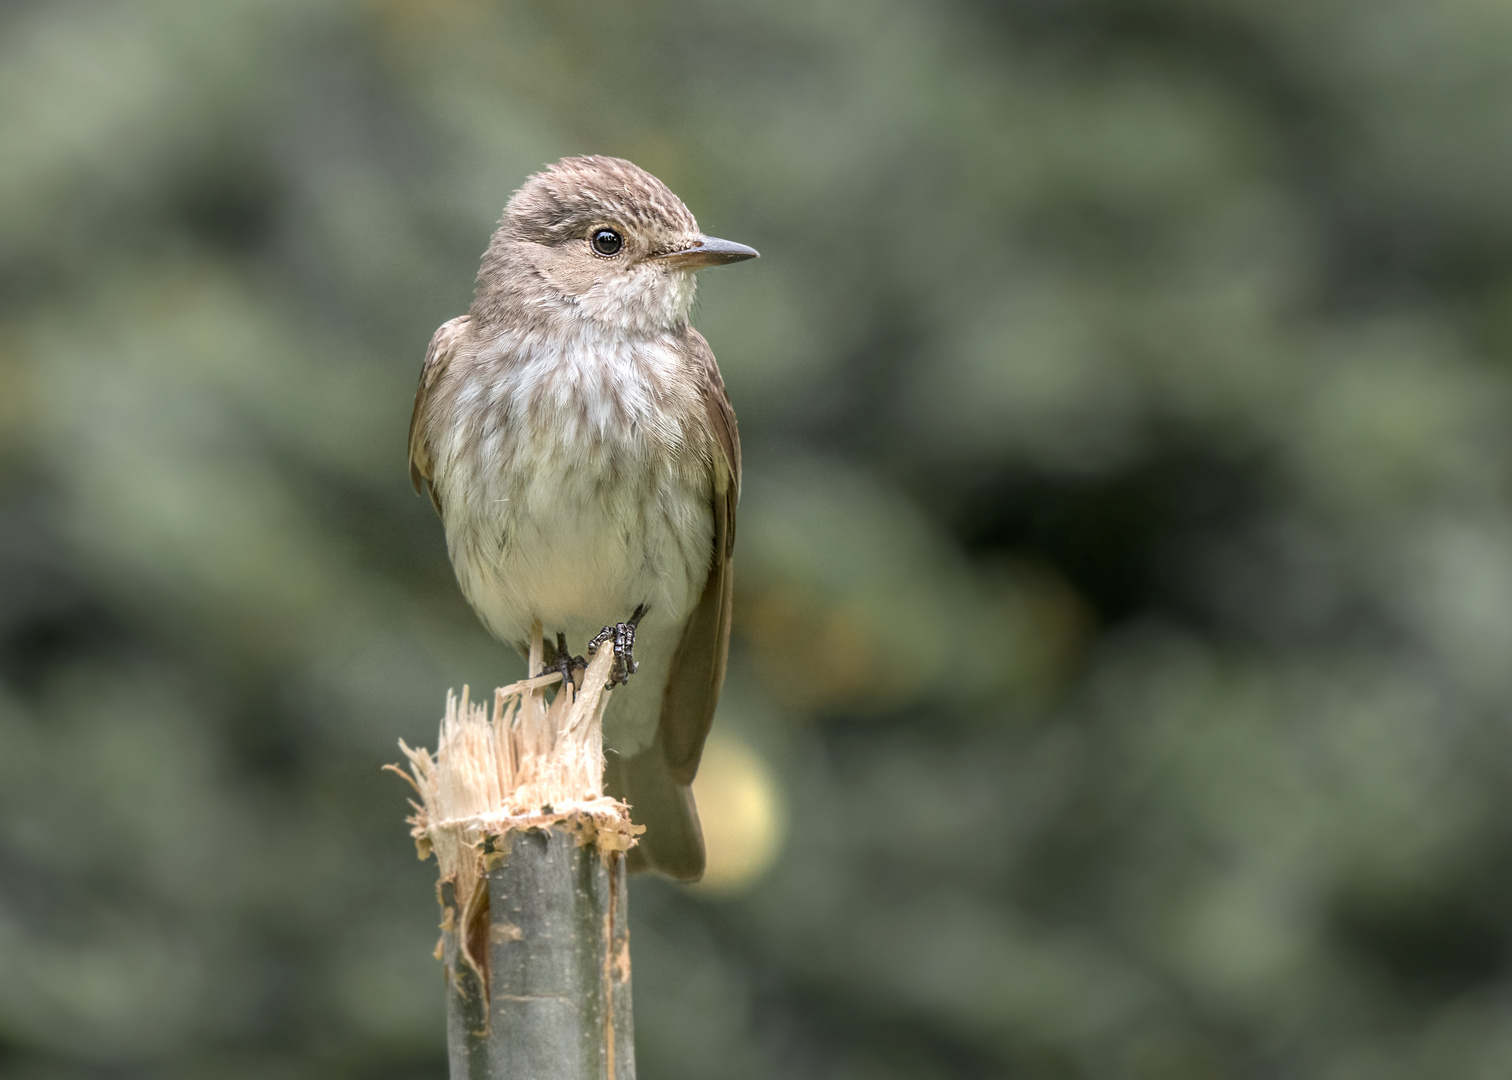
(599, 239)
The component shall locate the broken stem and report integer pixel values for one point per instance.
(532, 862)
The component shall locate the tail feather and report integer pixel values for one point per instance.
(673, 842)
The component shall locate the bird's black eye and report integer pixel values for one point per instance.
(607, 242)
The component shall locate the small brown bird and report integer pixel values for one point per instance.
(573, 431)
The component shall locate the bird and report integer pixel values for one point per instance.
(574, 434)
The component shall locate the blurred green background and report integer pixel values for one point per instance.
(1123, 647)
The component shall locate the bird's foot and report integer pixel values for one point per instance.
(622, 635)
(559, 658)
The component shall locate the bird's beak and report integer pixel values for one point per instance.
(708, 251)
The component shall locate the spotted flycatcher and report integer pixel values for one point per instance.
(573, 431)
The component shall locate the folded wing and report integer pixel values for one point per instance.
(443, 346)
(656, 781)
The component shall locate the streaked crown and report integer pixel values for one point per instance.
(566, 199)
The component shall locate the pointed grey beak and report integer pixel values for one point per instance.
(709, 251)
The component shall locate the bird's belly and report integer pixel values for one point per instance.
(579, 540)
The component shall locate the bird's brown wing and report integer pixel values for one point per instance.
(656, 780)
(698, 668)
(443, 345)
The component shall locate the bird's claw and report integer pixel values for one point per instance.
(562, 660)
(622, 635)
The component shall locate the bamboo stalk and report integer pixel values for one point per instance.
(531, 854)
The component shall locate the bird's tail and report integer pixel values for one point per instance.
(673, 842)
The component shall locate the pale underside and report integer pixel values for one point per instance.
(572, 492)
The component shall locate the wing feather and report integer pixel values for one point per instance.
(698, 667)
(443, 347)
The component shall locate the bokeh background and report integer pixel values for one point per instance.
(1123, 652)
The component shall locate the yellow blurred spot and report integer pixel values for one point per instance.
(742, 812)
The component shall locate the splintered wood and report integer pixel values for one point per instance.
(535, 942)
(525, 764)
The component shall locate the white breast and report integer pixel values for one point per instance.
(573, 492)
